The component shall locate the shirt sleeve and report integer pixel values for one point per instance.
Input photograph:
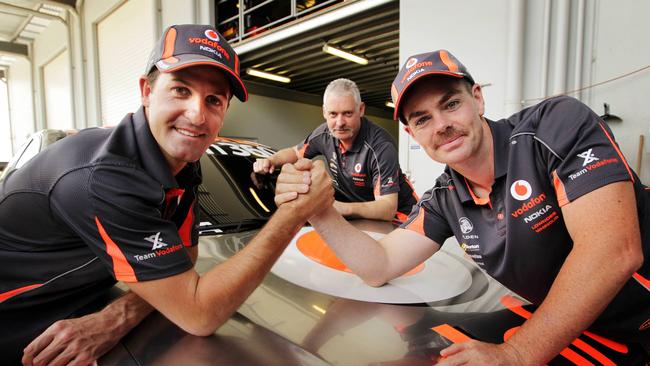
(427, 219)
(115, 210)
(385, 169)
(314, 144)
(582, 154)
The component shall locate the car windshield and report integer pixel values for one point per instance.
(232, 197)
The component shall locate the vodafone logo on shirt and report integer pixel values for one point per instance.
(521, 190)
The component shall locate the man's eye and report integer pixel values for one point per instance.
(453, 104)
(421, 121)
(213, 99)
(348, 114)
(181, 91)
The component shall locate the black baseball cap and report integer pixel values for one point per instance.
(186, 45)
(440, 62)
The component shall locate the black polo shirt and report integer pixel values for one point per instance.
(544, 157)
(369, 169)
(94, 208)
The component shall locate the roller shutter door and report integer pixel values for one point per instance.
(125, 39)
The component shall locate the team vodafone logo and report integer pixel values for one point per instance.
(212, 35)
(412, 61)
(521, 190)
(588, 157)
(357, 168)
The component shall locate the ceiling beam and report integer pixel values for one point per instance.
(15, 48)
(22, 11)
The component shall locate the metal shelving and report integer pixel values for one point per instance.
(238, 20)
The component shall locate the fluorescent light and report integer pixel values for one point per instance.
(266, 75)
(346, 55)
(319, 309)
(390, 105)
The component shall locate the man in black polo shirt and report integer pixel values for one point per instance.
(544, 201)
(119, 204)
(362, 158)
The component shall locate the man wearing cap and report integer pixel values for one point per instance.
(119, 204)
(362, 158)
(543, 201)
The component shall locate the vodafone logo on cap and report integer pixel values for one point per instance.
(521, 190)
(212, 35)
(412, 61)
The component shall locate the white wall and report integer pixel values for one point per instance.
(46, 47)
(21, 106)
(602, 41)
(279, 123)
(619, 50)
(5, 126)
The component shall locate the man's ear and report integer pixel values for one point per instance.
(362, 109)
(145, 90)
(324, 113)
(477, 94)
(408, 130)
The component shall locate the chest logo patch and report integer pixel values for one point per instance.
(357, 167)
(521, 190)
(466, 226)
(588, 156)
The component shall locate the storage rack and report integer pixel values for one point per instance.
(238, 20)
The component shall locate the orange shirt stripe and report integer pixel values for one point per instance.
(185, 231)
(11, 293)
(560, 192)
(620, 154)
(121, 267)
(417, 225)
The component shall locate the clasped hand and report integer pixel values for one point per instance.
(305, 187)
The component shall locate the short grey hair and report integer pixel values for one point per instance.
(342, 87)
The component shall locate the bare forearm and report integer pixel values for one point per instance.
(583, 288)
(361, 253)
(284, 156)
(375, 210)
(125, 313)
(223, 289)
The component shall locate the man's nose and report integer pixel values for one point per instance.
(196, 111)
(441, 125)
(340, 121)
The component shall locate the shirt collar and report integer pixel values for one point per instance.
(152, 159)
(501, 132)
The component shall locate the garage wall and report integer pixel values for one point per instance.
(620, 47)
(47, 46)
(587, 42)
(5, 127)
(21, 106)
(55, 76)
(279, 123)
